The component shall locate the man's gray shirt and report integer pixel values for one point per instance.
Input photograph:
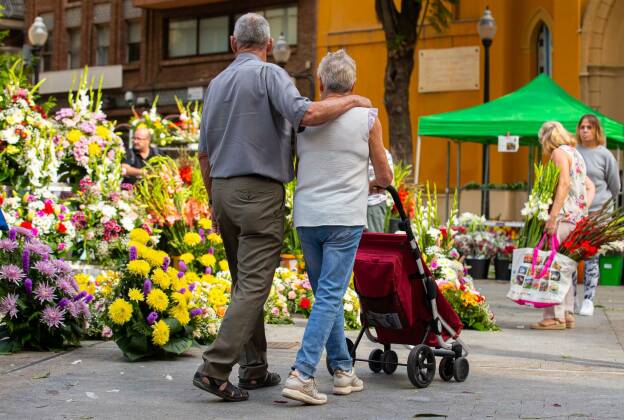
(249, 111)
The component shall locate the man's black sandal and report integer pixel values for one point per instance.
(230, 393)
(270, 379)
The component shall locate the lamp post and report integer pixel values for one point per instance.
(281, 54)
(37, 35)
(486, 29)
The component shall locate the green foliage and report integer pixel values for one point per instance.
(474, 316)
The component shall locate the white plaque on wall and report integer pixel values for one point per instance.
(448, 69)
(195, 93)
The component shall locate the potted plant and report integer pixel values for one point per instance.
(477, 248)
(502, 260)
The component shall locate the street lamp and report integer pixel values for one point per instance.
(486, 29)
(281, 55)
(37, 35)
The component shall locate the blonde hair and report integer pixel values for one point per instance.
(595, 123)
(552, 135)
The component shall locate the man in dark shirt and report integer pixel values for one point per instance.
(137, 157)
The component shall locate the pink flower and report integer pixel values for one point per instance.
(107, 332)
(292, 295)
(275, 311)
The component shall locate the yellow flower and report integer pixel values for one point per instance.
(82, 279)
(181, 313)
(179, 283)
(172, 273)
(120, 311)
(140, 267)
(158, 300)
(74, 135)
(192, 239)
(208, 260)
(216, 296)
(215, 238)
(160, 333)
(187, 257)
(161, 278)
(223, 265)
(154, 257)
(209, 278)
(469, 299)
(135, 295)
(94, 150)
(12, 150)
(179, 298)
(205, 223)
(139, 235)
(191, 277)
(102, 132)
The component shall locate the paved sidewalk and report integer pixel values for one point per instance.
(515, 373)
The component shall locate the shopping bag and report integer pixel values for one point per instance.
(540, 278)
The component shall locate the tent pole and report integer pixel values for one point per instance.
(619, 166)
(448, 176)
(458, 175)
(530, 177)
(417, 170)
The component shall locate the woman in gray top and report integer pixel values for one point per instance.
(602, 169)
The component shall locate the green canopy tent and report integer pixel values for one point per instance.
(520, 113)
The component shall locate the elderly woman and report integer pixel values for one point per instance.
(330, 214)
(572, 198)
(602, 169)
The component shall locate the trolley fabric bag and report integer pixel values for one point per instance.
(541, 278)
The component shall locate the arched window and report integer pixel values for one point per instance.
(544, 50)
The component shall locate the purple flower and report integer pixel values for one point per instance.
(21, 231)
(53, 316)
(28, 285)
(180, 274)
(62, 266)
(202, 233)
(63, 302)
(8, 305)
(147, 287)
(211, 250)
(182, 290)
(88, 299)
(196, 312)
(183, 266)
(152, 317)
(36, 247)
(11, 273)
(165, 265)
(133, 253)
(87, 127)
(80, 295)
(73, 309)
(64, 113)
(46, 268)
(45, 293)
(208, 270)
(107, 332)
(191, 287)
(8, 245)
(84, 308)
(12, 234)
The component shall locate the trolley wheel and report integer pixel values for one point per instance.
(350, 348)
(390, 360)
(461, 368)
(374, 360)
(446, 368)
(421, 366)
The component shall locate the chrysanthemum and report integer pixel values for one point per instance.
(120, 311)
(7, 245)
(11, 273)
(181, 313)
(223, 265)
(136, 295)
(160, 333)
(73, 308)
(139, 235)
(192, 239)
(8, 305)
(158, 300)
(53, 316)
(205, 223)
(44, 292)
(215, 238)
(161, 278)
(208, 260)
(191, 277)
(62, 266)
(187, 258)
(36, 247)
(140, 267)
(179, 298)
(46, 268)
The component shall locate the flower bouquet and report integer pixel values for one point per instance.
(161, 129)
(101, 288)
(86, 141)
(470, 306)
(40, 301)
(27, 152)
(187, 127)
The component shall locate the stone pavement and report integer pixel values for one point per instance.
(515, 373)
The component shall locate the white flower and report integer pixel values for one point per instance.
(9, 136)
(108, 212)
(348, 307)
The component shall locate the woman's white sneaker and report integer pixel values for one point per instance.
(304, 390)
(346, 382)
(587, 309)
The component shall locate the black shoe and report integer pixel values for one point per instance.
(230, 393)
(270, 379)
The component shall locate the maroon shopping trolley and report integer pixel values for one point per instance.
(401, 304)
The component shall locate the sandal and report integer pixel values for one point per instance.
(549, 324)
(570, 321)
(213, 385)
(270, 379)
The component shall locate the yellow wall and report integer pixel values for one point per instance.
(352, 24)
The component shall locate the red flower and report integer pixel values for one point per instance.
(444, 232)
(48, 208)
(61, 228)
(1, 200)
(186, 173)
(305, 303)
(26, 224)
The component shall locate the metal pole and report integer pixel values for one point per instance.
(458, 181)
(485, 196)
(531, 160)
(35, 52)
(448, 176)
(417, 169)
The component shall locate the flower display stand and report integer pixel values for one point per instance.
(502, 269)
(479, 267)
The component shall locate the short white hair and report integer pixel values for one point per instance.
(252, 30)
(337, 72)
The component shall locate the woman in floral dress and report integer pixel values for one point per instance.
(572, 199)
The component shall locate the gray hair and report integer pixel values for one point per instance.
(337, 72)
(252, 30)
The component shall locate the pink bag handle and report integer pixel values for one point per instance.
(554, 245)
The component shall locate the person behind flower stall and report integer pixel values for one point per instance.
(330, 214)
(573, 196)
(251, 110)
(602, 169)
(377, 197)
(136, 158)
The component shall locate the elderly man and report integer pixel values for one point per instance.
(250, 112)
(137, 157)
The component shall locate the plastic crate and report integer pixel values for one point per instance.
(611, 270)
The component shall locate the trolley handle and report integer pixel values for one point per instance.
(405, 222)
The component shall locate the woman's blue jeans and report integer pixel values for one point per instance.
(329, 253)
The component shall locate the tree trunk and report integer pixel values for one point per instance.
(396, 101)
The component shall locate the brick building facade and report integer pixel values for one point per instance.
(163, 49)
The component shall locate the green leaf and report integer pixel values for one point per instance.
(179, 345)
(9, 346)
(174, 326)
